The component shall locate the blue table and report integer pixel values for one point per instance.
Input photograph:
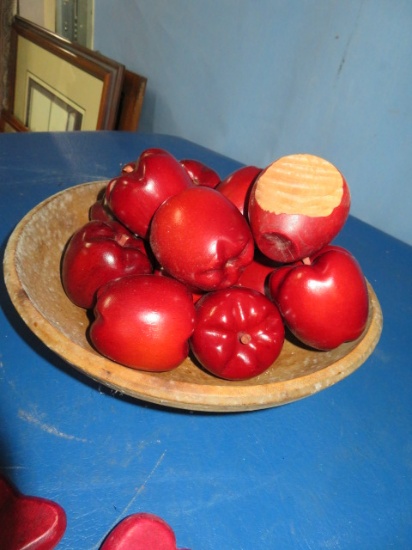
(332, 471)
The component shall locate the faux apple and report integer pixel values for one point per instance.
(297, 205)
(135, 195)
(238, 333)
(323, 300)
(200, 173)
(29, 522)
(199, 237)
(141, 531)
(99, 211)
(143, 322)
(256, 274)
(97, 253)
(236, 187)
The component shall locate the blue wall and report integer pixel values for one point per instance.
(257, 79)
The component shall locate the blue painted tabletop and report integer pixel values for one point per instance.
(331, 471)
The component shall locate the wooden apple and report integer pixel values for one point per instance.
(256, 274)
(141, 531)
(238, 333)
(143, 322)
(324, 300)
(29, 522)
(200, 173)
(237, 185)
(134, 195)
(297, 205)
(199, 237)
(97, 253)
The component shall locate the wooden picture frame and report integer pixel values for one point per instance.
(55, 84)
(131, 101)
(10, 124)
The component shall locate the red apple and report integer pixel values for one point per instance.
(199, 237)
(97, 253)
(256, 274)
(141, 531)
(196, 294)
(143, 322)
(238, 333)
(200, 173)
(236, 187)
(134, 196)
(29, 522)
(100, 211)
(297, 205)
(324, 300)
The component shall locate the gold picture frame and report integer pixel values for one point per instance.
(55, 84)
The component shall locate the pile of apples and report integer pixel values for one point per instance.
(175, 262)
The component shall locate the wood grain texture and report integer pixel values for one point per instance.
(131, 101)
(32, 276)
(300, 184)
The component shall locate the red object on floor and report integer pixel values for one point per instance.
(142, 531)
(28, 522)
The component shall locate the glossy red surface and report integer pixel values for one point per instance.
(141, 531)
(237, 185)
(200, 237)
(200, 173)
(28, 522)
(97, 253)
(238, 333)
(325, 303)
(160, 308)
(135, 196)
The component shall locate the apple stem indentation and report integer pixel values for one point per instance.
(245, 338)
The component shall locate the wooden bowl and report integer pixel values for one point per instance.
(32, 276)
